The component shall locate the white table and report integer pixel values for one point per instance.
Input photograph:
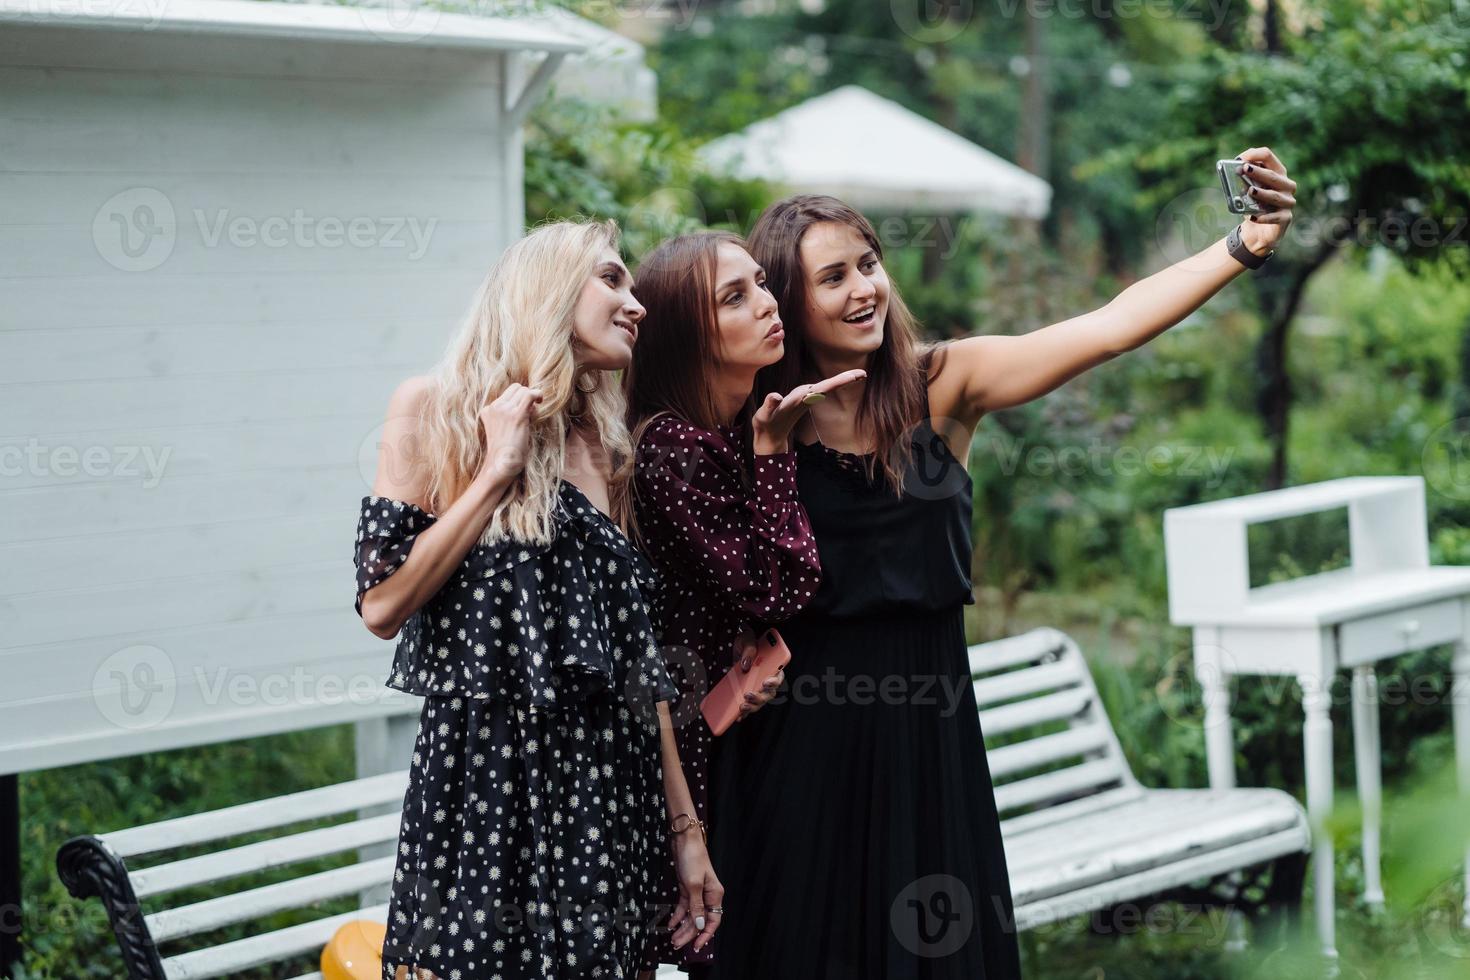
(1390, 601)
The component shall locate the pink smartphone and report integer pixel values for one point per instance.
(721, 706)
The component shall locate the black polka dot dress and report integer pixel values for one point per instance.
(533, 842)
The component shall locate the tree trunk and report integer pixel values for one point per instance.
(1280, 293)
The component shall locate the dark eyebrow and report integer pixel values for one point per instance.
(617, 267)
(840, 263)
(728, 283)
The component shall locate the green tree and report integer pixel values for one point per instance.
(1369, 107)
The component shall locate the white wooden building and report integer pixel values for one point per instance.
(227, 230)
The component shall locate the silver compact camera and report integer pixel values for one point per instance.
(1235, 184)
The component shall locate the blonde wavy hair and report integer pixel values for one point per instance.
(519, 329)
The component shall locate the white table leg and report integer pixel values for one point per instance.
(1460, 701)
(1317, 739)
(1215, 693)
(1370, 777)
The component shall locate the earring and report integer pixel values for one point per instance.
(586, 391)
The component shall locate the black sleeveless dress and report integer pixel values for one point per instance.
(854, 822)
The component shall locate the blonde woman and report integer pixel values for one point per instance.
(534, 838)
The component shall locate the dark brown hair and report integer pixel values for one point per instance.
(894, 394)
(675, 358)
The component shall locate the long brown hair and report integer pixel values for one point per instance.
(678, 339)
(894, 393)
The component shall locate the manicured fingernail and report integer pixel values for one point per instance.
(813, 398)
(699, 922)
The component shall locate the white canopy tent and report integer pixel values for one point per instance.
(874, 153)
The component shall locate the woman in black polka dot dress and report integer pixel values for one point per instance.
(715, 482)
(535, 837)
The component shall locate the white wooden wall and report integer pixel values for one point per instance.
(254, 375)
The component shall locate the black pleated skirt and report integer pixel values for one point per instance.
(854, 823)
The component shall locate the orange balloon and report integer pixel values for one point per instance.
(355, 952)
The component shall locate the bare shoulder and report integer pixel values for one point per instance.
(401, 474)
(410, 395)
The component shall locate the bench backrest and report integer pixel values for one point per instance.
(140, 872)
(1051, 748)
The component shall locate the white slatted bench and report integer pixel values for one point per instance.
(129, 872)
(1080, 833)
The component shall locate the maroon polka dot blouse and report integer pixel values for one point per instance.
(731, 552)
(734, 548)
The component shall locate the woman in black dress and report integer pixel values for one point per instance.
(860, 837)
(534, 838)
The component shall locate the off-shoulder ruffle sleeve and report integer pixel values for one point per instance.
(386, 530)
(538, 625)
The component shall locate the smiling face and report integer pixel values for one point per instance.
(846, 291)
(749, 325)
(605, 321)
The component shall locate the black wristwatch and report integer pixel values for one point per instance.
(1242, 254)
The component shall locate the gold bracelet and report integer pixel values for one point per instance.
(691, 821)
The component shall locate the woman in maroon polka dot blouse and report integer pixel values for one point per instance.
(714, 482)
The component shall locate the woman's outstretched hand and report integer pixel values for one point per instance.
(772, 423)
(1273, 191)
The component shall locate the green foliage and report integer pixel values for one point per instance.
(583, 159)
(722, 73)
(1370, 109)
